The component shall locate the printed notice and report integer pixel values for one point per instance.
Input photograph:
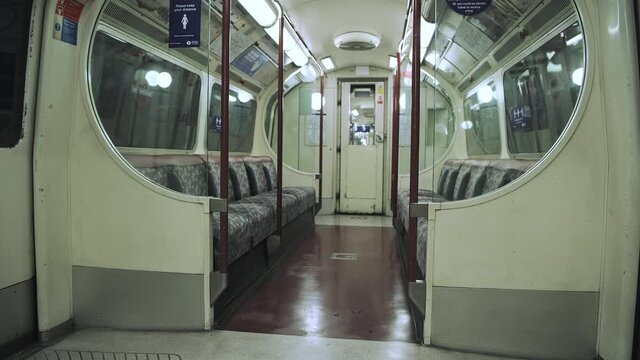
(67, 16)
(469, 7)
(184, 23)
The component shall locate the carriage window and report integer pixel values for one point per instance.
(143, 100)
(14, 35)
(541, 92)
(481, 122)
(242, 116)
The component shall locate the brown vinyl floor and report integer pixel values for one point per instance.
(313, 295)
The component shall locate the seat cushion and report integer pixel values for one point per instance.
(271, 173)
(240, 179)
(239, 237)
(290, 207)
(193, 179)
(257, 177)
(305, 195)
(214, 180)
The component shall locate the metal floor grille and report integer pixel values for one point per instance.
(51, 354)
(344, 256)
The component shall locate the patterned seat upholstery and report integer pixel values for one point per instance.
(305, 195)
(290, 208)
(459, 180)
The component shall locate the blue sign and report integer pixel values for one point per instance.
(521, 118)
(217, 124)
(69, 31)
(469, 7)
(184, 23)
(251, 61)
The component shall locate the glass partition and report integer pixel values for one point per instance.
(242, 115)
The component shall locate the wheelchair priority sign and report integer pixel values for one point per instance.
(469, 7)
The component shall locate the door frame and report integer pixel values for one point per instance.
(338, 140)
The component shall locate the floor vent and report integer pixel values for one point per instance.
(51, 354)
(344, 256)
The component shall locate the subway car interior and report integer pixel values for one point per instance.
(319, 179)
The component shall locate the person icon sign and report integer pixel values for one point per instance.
(184, 22)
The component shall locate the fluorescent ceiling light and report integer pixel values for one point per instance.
(298, 56)
(164, 79)
(467, 125)
(485, 94)
(393, 62)
(288, 40)
(403, 102)
(575, 40)
(427, 30)
(578, 76)
(262, 11)
(315, 101)
(244, 96)
(308, 73)
(328, 63)
(232, 98)
(355, 113)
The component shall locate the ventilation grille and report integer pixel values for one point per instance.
(508, 47)
(52, 354)
(551, 9)
(357, 46)
(479, 72)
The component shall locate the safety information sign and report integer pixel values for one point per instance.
(469, 7)
(67, 16)
(184, 23)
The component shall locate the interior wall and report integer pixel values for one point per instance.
(619, 62)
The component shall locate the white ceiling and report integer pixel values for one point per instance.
(319, 21)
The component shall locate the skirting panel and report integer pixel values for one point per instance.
(524, 323)
(18, 322)
(139, 300)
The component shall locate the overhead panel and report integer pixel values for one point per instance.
(449, 71)
(523, 5)
(461, 58)
(551, 9)
(496, 20)
(472, 39)
(450, 22)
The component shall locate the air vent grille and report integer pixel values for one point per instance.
(480, 72)
(508, 47)
(551, 9)
(132, 21)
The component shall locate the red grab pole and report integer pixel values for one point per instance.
(280, 105)
(395, 137)
(224, 135)
(321, 139)
(415, 136)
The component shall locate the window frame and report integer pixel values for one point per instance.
(499, 94)
(199, 143)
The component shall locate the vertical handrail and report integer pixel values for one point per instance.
(395, 138)
(280, 105)
(321, 140)
(415, 137)
(224, 156)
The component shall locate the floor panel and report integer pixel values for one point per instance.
(358, 294)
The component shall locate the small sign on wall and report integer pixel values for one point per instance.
(469, 7)
(521, 118)
(184, 23)
(67, 17)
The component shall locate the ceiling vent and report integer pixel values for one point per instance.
(356, 41)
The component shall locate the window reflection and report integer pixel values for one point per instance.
(541, 92)
(482, 121)
(362, 124)
(242, 114)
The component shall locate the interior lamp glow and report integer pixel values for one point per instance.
(355, 113)
(485, 94)
(467, 125)
(152, 77)
(315, 101)
(244, 96)
(232, 98)
(262, 11)
(288, 42)
(164, 79)
(393, 62)
(575, 40)
(328, 63)
(403, 103)
(298, 56)
(578, 76)
(427, 30)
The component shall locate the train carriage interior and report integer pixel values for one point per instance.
(267, 179)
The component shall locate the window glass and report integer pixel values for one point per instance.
(482, 121)
(14, 36)
(242, 115)
(541, 92)
(437, 123)
(301, 125)
(143, 101)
